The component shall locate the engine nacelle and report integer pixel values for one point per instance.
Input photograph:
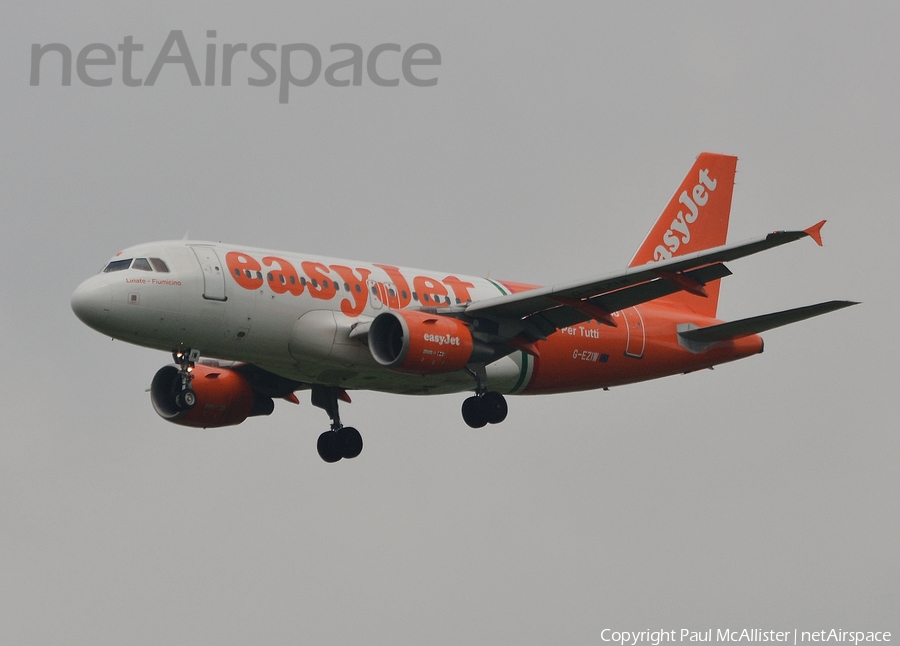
(224, 397)
(419, 343)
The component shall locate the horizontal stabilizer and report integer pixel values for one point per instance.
(757, 324)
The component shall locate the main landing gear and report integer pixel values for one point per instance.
(185, 397)
(489, 408)
(341, 441)
(484, 407)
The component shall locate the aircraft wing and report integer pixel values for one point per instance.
(542, 311)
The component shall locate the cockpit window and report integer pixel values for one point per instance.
(142, 264)
(159, 265)
(117, 265)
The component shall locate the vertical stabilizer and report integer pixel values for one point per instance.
(695, 219)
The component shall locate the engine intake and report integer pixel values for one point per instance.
(224, 397)
(420, 343)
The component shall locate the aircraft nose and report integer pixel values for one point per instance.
(91, 303)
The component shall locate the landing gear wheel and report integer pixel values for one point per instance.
(474, 412)
(329, 447)
(495, 407)
(186, 399)
(189, 397)
(350, 442)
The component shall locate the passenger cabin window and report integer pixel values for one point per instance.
(117, 265)
(159, 265)
(142, 264)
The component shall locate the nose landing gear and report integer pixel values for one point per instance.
(341, 441)
(185, 398)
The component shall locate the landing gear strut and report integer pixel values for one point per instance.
(185, 397)
(341, 441)
(484, 407)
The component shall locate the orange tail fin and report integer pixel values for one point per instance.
(695, 219)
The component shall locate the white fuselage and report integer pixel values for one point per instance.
(288, 313)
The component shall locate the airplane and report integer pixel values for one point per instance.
(247, 326)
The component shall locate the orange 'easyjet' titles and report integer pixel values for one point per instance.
(244, 269)
(284, 279)
(358, 291)
(404, 296)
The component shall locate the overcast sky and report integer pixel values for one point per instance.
(763, 494)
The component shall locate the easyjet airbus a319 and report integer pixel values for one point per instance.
(247, 326)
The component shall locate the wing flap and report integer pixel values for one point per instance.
(757, 324)
(648, 291)
(562, 316)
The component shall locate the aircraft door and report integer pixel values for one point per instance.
(383, 294)
(213, 275)
(637, 335)
(391, 295)
(374, 294)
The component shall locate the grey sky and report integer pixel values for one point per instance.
(763, 494)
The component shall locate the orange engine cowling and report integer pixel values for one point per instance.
(419, 343)
(224, 397)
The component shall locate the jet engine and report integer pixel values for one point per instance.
(420, 343)
(224, 397)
